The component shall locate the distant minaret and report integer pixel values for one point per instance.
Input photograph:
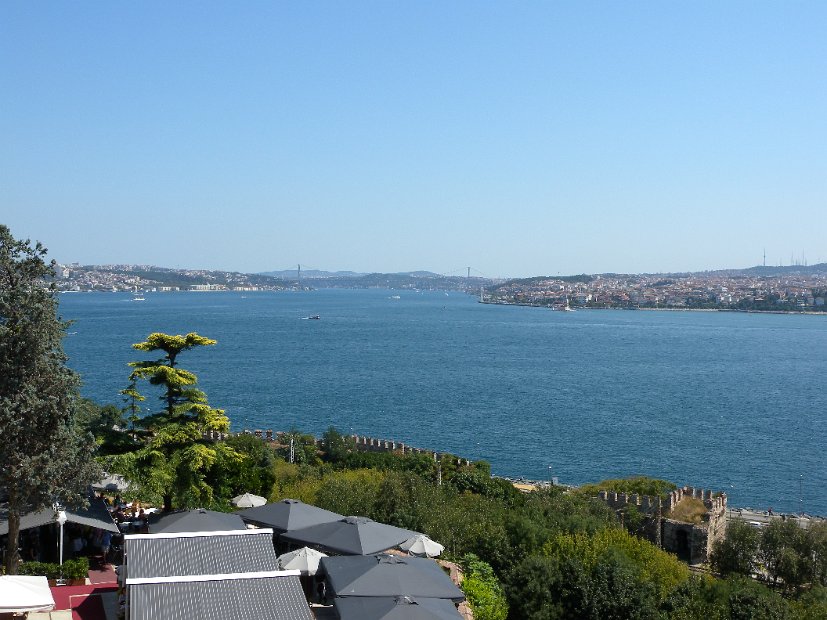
(765, 257)
(469, 273)
(299, 273)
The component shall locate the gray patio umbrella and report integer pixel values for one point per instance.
(350, 535)
(288, 514)
(395, 608)
(199, 520)
(385, 575)
(248, 500)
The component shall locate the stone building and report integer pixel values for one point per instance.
(686, 522)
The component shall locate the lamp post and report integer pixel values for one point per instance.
(550, 479)
(60, 518)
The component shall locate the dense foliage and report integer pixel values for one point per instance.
(788, 554)
(542, 555)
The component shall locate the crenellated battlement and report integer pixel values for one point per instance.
(371, 444)
(363, 443)
(714, 502)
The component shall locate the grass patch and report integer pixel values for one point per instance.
(689, 510)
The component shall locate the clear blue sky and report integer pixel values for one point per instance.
(519, 138)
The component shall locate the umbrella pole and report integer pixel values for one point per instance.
(61, 581)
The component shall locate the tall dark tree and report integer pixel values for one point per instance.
(44, 459)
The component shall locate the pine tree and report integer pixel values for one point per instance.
(44, 458)
(175, 461)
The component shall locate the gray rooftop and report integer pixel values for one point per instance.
(268, 598)
(151, 555)
(210, 576)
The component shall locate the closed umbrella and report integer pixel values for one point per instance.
(421, 545)
(305, 560)
(248, 500)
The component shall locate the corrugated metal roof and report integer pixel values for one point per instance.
(150, 556)
(275, 598)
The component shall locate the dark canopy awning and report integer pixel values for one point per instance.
(96, 515)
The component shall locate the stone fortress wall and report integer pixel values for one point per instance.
(363, 443)
(690, 541)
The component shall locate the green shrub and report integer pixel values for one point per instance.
(483, 590)
(76, 569)
(49, 569)
(72, 569)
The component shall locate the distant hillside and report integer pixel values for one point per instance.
(422, 280)
(291, 274)
(132, 277)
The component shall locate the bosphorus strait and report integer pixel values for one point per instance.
(727, 401)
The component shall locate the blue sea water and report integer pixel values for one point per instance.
(728, 401)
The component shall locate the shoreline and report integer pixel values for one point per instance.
(584, 308)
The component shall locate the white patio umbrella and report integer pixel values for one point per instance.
(248, 500)
(305, 560)
(421, 545)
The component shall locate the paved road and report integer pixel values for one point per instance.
(761, 519)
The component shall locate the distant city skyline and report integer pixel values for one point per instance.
(520, 140)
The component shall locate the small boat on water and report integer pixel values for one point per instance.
(394, 297)
(312, 317)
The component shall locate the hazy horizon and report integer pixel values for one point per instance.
(518, 139)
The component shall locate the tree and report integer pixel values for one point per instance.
(177, 458)
(44, 458)
(335, 445)
(787, 553)
(737, 552)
